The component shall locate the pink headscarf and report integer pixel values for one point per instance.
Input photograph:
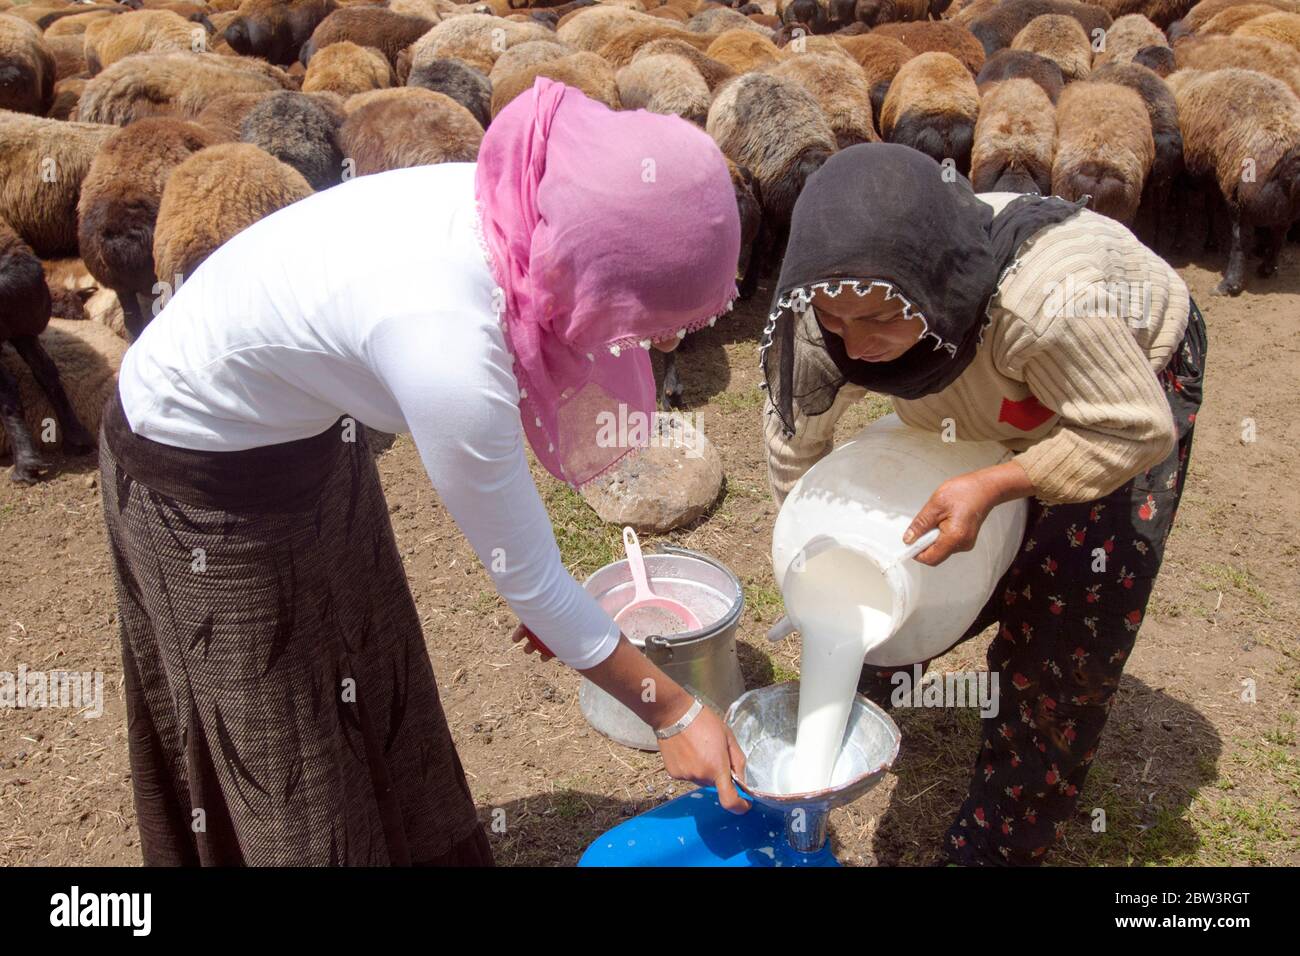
(605, 230)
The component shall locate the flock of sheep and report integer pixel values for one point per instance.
(137, 137)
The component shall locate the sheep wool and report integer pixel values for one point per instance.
(664, 83)
(301, 130)
(1061, 39)
(27, 68)
(112, 39)
(744, 50)
(1104, 148)
(1282, 27)
(876, 12)
(1247, 53)
(938, 36)
(622, 47)
(346, 68)
(275, 30)
(715, 73)
(1226, 22)
(408, 127)
(1125, 37)
(592, 27)
(1021, 64)
(841, 90)
(1015, 139)
(585, 71)
(377, 27)
(932, 106)
(213, 195)
(464, 84)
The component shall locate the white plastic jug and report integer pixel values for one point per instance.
(861, 497)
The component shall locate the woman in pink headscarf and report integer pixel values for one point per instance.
(275, 669)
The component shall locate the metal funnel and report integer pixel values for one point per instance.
(765, 721)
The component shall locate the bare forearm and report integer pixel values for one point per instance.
(633, 680)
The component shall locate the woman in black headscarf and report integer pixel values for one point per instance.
(1036, 323)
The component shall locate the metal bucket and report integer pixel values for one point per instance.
(703, 661)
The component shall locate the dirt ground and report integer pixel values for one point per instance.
(1190, 772)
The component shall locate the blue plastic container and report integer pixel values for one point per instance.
(694, 830)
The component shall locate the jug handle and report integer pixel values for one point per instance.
(781, 630)
(915, 548)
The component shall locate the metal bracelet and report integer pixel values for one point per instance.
(682, 723)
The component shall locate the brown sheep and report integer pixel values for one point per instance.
(213, 195)
(592, 27)
(1015, 139)
(76, 25)
(142, 31)
(622, 47)
(1282, 27)
(875, 12)
(475, 40)
(1167, 166)
(149, 84)
(773, 128)
(1160, 12)
(840, 88)
(744, 50)
(67, 96)
(1104, 148)
(938, 37)
(223, 115)
(345, 68)
(995, 27)
(69, 56)
(275, 30)
(718, 20)
(1194, 21)
(1241, 131)
(583, 70)
(932, 106)
(881, 58)
(1125, 37)
(419, 129)
(119, 207)
(715, 73)
(27, 68)
(388, 32)
(664, 84)
(1228, 20)
(1247, 53)
(464, 84)
(527, 54)
(42, 165)
(1061, 40)
(24, 314)
(1021, 64)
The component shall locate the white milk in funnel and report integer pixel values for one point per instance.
(842, 604)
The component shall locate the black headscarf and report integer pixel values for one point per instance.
(885, 214)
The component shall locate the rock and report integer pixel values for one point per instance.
(664, 486)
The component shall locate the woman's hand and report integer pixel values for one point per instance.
(959, 506)
(531, 644)
(707, 753)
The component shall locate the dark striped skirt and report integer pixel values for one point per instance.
(281, 705)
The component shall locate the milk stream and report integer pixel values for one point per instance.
(842, 604)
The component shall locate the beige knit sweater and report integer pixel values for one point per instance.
(1065, 375)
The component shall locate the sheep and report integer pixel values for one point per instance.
(67, 95)
(526, 54)
(1104, 148)
(119, 206)
(841, 90)
(722, 19)
(664, 84)
(881, 58)
(1061, 40)
(1162, 110)
(583, 70)
(300, 130)
(76, 25)
(1241, 131)
(142, 31)
(87, 357)
(1228, 20)
(1282, 27)
(875, 12)
(214, 194)
(475, 40)
(464, 84)
(715, 72)
(69, 56)
(1125, 37)
(1015, 139)
(149, 84)
(24, 315)
(996, 26)
(42, 165)
(375, 27)
(275, 30)
(743, 50)
(774, 128)
(1021, 64)
(938, 37)
(421, 128)
(621, 47)
(224, 115)
(1194, 21)
(810, 15)
(932, 106)
(1248, 53)
(1159, 12)
(592, 27)
(346, 68)
(27, 68)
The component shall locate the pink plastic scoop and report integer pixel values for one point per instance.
(643, 598)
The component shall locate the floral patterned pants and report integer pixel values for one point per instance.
(1068, 612)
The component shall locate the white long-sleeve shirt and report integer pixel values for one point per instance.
(370, 299)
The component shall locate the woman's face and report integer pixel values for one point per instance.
(872, 328)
